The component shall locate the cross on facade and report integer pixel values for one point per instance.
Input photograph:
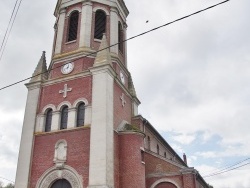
(123, 100)
(65, 90)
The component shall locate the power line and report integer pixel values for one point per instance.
(226, 170)
(8, 25)
(228, 167)
(9, 28)
(146, 32)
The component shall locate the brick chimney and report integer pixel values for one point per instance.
(185, 158)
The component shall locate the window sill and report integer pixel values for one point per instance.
(70, 42)
(97, 40)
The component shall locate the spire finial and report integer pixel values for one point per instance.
(40, 72)
(103, 54)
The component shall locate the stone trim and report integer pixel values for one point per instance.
(75, 104)
(101, 8)
(165, 180)
(75, 9)
(47, 107)
(53, 174)
(64, 103)
(131, 132)
(60, 155)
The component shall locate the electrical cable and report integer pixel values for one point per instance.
(7, 34)
(226, 170)
(8, 25)
(146, 32)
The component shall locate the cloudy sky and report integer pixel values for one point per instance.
(192, 78)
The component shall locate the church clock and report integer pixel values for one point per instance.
(67, 68)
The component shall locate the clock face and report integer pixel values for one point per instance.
(122, 77)
(67, 68)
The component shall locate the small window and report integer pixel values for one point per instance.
(73, 26)
(148, 142)
(120, 37)
(80, 115)
(48, 120)
(142, 156)
(158, 149)
(64, 118)
(100, 24)
(165, 154)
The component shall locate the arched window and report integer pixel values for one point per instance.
(80, 115)
(48, 120)
(100, 24)
(73, 26)
(120, 37)
(64, 117)
(165, 184)
(158, 149)
(148, 142)
(61, 183)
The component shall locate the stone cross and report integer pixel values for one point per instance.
(65, 90)
(123, 100)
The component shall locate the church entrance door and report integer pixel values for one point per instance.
(165, 185)
(61, 184)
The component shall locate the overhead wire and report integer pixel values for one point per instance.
(146, 32)
(226, 170)
(227, 167)
(8, 25)
(9, 28)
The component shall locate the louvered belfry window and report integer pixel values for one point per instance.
(48, 121)
(64, 117)
(100, 24)
(73, 26)
(120, 37)
(80, 115)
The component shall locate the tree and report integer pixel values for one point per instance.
(10, 185)
(210, 186)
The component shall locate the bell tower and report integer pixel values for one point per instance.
(78, 105)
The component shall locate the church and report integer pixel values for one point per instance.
(81, 126)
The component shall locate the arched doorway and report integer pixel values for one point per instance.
(165, 185)
(62, 183)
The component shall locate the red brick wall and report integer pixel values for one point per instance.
(79, 65)
(155, 165)
(138, 122)
(116, 159)
(81, 87)
(120, 112)
(78, 142)
(189, 181)
(132, 171)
